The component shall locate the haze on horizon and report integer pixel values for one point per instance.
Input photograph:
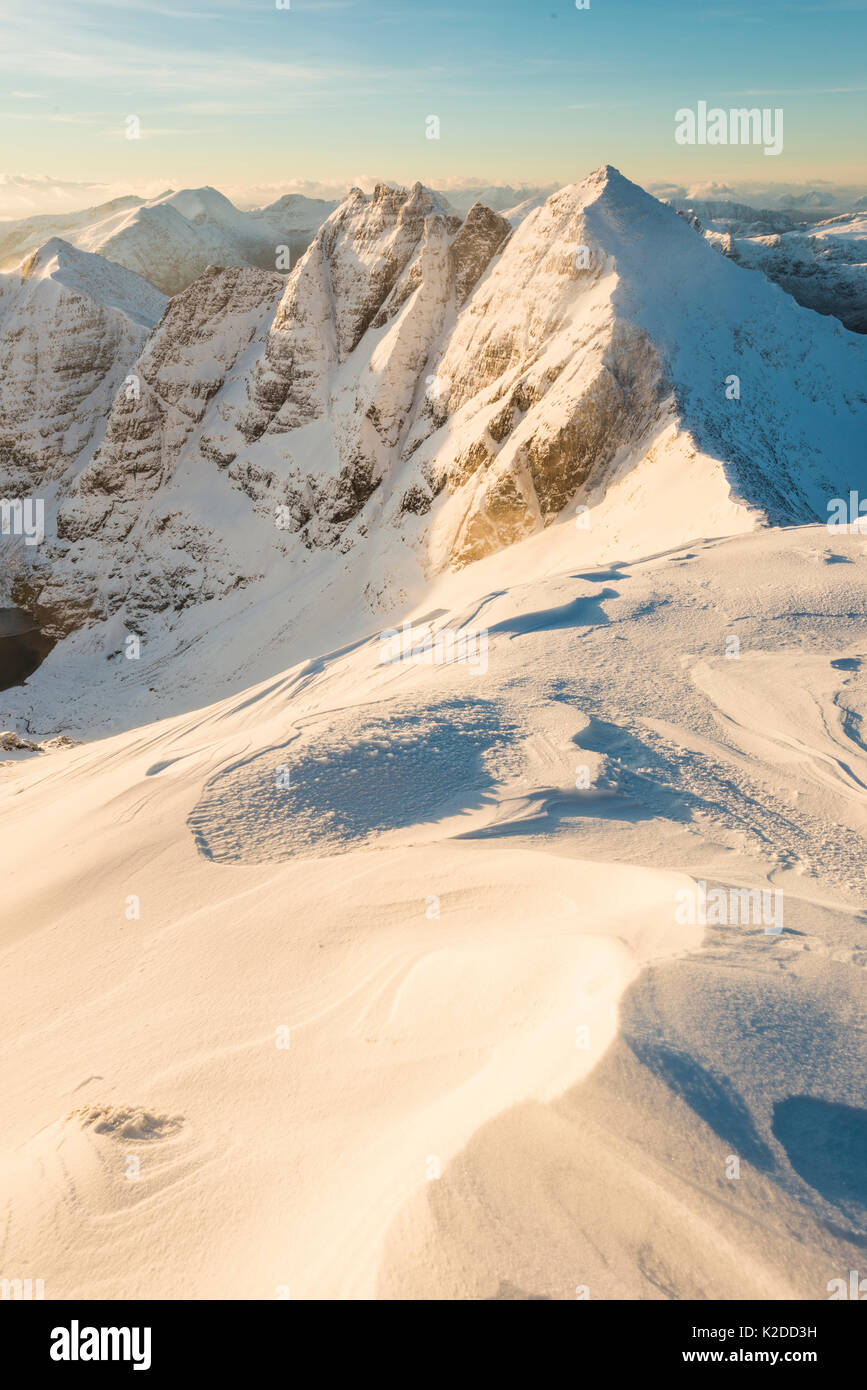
(258, 101)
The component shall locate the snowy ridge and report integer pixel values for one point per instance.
(97, 278)
(421, 393)
(823, 266)
(170, 240)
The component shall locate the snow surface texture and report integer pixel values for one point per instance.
(433, 920)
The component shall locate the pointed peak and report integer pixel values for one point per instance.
(606, 173)
(41, 261)
(480, 215)
(605, 185)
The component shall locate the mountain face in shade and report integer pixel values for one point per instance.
(71, 325)
(822, 265)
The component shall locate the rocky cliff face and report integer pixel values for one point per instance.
(538, 387)
(70, 326)
(114, 520)
(342, 359)
(454, 385)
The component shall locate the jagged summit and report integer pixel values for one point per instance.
(605, 176)
(608, 185)
(424, 390)
(607, 173)
(416, 195)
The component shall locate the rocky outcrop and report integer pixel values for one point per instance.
(478, 240)
(453, 386)
(71, 325)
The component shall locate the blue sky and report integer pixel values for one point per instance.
(240, 93)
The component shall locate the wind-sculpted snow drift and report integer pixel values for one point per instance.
(364, 990)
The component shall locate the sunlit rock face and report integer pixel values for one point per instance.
(449, 387)
(71, 324)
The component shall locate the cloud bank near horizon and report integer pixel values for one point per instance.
(29, 195)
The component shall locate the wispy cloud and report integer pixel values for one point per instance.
(51, 117)
(795, 91)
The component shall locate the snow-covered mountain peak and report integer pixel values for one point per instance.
(96, 278)
(421, 392)
(71, 327)
(170, 239)
(197, 204)
(608, 323)
(45, 260)
(297, 211)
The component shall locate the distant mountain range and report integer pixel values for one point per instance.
(822, 264)
(171, 239)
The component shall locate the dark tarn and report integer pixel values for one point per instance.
(23, 647)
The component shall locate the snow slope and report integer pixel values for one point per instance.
(94, 277)
(330, 974)
(370, 979)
